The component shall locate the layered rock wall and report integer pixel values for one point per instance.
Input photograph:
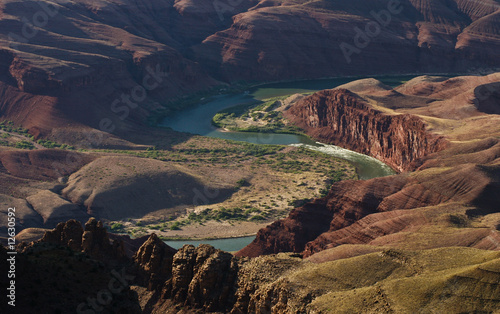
(342, 118)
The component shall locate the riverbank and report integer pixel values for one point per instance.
(202, 97)
(212, 230)
(301, 85)
(262, 183)
(226, 244)
(264, 116)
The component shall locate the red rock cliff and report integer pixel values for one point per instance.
(342, 118)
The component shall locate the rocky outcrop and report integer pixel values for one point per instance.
(132, 245)
(203, 278)
(346, 214)
(346, 203)
(154, 262)
(93, 240)
(259, 284)
(342, 118)
(56, 269)
(464, 173)
(66, 234)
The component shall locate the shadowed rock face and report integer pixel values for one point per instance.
(67, 234)
(154, 262)
(90, 54)
(203, 279)
(93, 240)
(303, 39)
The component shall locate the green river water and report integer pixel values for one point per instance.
(197, 120)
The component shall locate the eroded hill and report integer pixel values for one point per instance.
(158, 279)
(109, 65)
(451, 197)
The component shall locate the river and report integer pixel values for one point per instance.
(228, 245)
(198, 120)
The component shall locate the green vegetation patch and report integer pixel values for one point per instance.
(23, 145)
(305, 160)
(231, 152)
(260, 117)
(228, 214)
(51, 144)
(9, 128)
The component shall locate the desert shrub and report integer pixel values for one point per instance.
(257, 218)
(24, 145)
(175, 226)
(117, 227)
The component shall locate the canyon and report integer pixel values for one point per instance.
(454, 170)
(159, 279)
(339, 117)
(84, 84)
(108, 66)
(362, 246)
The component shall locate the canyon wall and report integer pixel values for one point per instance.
(84, 57)
(380, 211)
(301, 39)
(159, 279)
(342, 118)
(455, 177)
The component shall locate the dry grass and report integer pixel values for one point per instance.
(446, 279)
(267, 180)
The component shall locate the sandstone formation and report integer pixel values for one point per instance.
(66, 234)
(197, 278)
(340, 117)
(453, 185)
(93, 240)
(301, 39)
(109, 65)
(154, 260)
(53, 278)
(206, 280)
(84, 57)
